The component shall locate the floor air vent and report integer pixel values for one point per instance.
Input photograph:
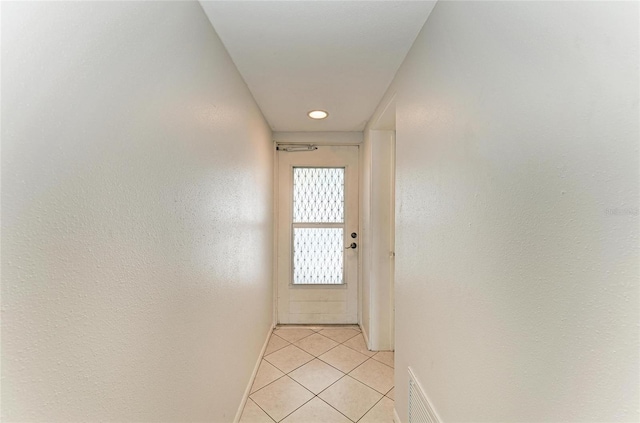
(420, 410)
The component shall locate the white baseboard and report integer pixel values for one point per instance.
(247, 391)
(366, 337)
(396, 418)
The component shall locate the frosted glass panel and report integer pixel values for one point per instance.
(317, 255)
(318, 195)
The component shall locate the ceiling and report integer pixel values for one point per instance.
(297, 56)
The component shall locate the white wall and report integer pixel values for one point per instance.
(364, 293)
(137, 216)
(377, 202)
(318, 137)
(517, 261)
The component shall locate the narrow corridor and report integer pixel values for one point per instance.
(321, 374)
(149, 157)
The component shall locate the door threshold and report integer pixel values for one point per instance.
(318, 327)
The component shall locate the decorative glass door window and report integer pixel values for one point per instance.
(318, 225)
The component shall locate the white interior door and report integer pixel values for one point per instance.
(318, 236)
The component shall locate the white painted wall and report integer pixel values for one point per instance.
(517, 261)
(137, 216)
(377, 202)
(364, 294)
(320, 138)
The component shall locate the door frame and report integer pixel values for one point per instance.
(378, 325)
(318, 140)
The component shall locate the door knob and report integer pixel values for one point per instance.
(353, 245)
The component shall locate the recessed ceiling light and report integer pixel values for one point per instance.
(317, 114)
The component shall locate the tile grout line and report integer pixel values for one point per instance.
(287, 373)
(299, 339)
(254, 379)
(377, 392)
(272, 335)
(332, 348)
(341, 377)
(305, 388)
(390, 391)
(274, 380)
(370, 408)
(319, 397)
(378, 361)
(314, 357)
(263, 410)
(318, 333)
(381, 361)
(301, 405)
(329, 364)
(263, 358)
(293, 370)
(368, 356)
(347, 417)
(364, 383)
(345, 375)
(340, 343)
(383, 395)
(314, 332)
(318, 357)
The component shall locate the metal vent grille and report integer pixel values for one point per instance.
(420, 410)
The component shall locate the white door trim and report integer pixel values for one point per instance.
(315, 304)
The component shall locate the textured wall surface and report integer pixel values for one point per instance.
(365, 236)
(376, 202)
(136, 216)
(517, 212)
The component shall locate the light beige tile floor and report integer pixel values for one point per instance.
(321, 374)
